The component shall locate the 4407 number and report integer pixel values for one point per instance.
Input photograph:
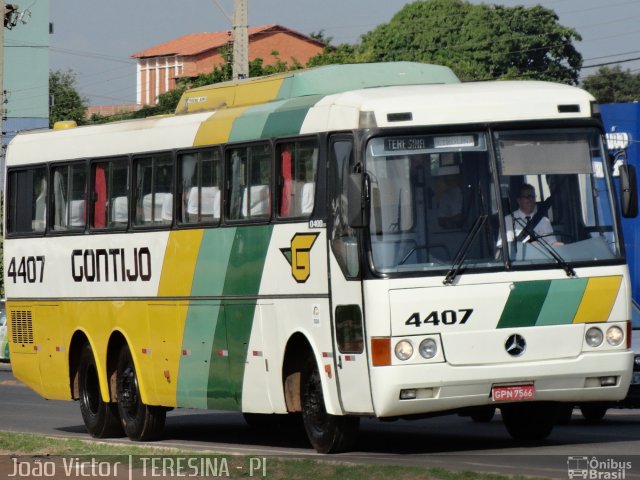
(30, 269)
(445, 317)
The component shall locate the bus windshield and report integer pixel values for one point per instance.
(552, 205)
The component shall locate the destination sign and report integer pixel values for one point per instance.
(396, 144)
(407, 144)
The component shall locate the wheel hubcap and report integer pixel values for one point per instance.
(128, 397)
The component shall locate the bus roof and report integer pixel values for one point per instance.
(305, 108)
(323, 80)
(452, 104)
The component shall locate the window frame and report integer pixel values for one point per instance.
(70, 231)
(179, 186)
(278, 178)
(134, 194)
(9, 197)
(126, 159)
(257, 219)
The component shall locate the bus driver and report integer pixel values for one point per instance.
(526, 215)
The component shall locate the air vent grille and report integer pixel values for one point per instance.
(21, 326)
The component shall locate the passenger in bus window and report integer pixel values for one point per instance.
(527, 214)
(40, 214)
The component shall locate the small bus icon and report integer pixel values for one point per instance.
(578, 467)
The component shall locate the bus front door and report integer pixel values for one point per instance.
(352, 369)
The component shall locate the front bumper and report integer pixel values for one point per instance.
(441, 387)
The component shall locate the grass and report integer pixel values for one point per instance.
(227, 466)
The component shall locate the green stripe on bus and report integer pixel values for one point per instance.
(197, 346)
(243, 275)
(524, 304)
(204, 338)
(246, 261)
(220, 394)
(252, 120)
(288, 118)
(213, 261)
(562, 301)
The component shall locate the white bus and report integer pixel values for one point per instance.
(331, 242)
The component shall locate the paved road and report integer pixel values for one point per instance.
(450, 442)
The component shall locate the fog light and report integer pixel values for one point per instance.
(404, 350)
(615, 336)
(408, 394)
(428, 348)
(594, 337)
(608, 381)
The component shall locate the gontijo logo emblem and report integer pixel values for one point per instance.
(299, 256)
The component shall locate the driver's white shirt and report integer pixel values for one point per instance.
(543, 228)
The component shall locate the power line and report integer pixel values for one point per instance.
(627, 60)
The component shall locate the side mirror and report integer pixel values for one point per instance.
(628, 191)
(355, 209)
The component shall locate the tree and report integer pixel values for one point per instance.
(611, 85)
(479, 42)
(67, 104)
(343, 53)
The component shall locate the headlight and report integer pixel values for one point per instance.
(594, 337)
(428, 348)
(637, 360)
(404, 350)
(615, 336)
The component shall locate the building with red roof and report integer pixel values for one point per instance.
(160, 66)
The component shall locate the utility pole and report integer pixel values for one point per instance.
(240, 39)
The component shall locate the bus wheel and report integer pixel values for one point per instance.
(140, 422)
(529, 421)
(100, 417)
(593, 413)
(327, 433)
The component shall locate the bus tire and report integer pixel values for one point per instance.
(100, 417)
(327, 433)
(140, 422)
(593, 413)
(529, 421)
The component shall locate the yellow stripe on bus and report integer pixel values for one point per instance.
(217, 128)
(598, 299)
(180, 263)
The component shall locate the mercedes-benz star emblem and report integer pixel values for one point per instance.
(515, 345)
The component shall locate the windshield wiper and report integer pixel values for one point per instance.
(526, 226)
(463, 251)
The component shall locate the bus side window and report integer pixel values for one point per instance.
(154, 190)
(110, 184)
(200, 174)
(344, 240)
(249, 182)
(27, 200)
(69, 197)
(297, 165)
(349, 334)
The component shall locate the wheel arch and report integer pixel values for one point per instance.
(297, 351)
(79, 339)
(116, 342)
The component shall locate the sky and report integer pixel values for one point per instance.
(96, 38)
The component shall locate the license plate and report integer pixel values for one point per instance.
(636, 378)
(512, 393)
